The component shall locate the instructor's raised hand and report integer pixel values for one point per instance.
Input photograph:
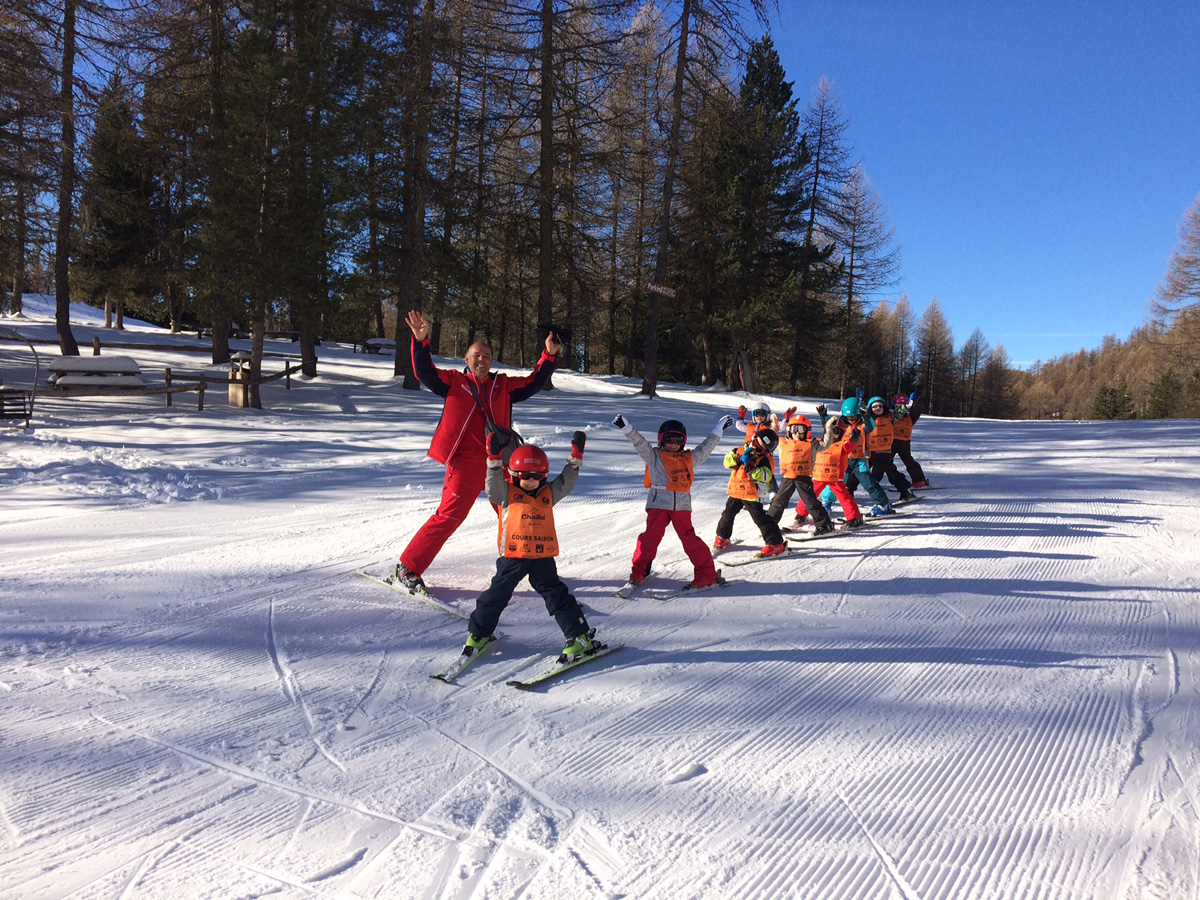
(419, 324)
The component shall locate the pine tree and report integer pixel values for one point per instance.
(116, 230)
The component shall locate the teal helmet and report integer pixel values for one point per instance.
(851, 406)
(878, 400)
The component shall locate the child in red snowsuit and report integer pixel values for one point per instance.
(669, 473)
(834, 451)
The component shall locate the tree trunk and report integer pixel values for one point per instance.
(66, 189)
(545, 304)
(21, 229)
(221, 312)
(661, 269)
(418, 78)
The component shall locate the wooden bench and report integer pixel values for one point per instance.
(105, 373)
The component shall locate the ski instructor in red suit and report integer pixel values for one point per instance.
(459, 440)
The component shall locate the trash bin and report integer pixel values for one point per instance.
(239, 380)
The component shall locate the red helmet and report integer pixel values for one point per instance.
(799, 420)
(528, 459)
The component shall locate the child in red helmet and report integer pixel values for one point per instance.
(753, 467)
(796, 449)
(528, 544)
(669, 473)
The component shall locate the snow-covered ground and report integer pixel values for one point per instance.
(995, 697)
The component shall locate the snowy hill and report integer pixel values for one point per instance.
(994, 697)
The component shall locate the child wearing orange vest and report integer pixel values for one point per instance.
(753, 468)
(528, 544)
(902, 439)
(837, 446)
(670, 471)
(796, 449)
(880, 444)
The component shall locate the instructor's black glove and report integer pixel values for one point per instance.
(619, 421)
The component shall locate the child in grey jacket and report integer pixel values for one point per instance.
(670, 471)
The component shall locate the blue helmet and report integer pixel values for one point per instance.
(878, 400)
(851, 406)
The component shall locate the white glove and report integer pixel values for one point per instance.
(723, 425)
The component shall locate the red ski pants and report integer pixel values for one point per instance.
(462, 486)
(656, 526)
(849, 508)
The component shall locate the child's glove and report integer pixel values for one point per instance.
(788, 413)
(496, 442)
(620, 422)
(578, 439)
(732, 460)
(822, 409)
(723, 424)
(748, 458)
(856, 435)
(912, 398)
(742, 412)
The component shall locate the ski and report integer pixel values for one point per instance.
(558, 668)
(837, 532)
(685, 590)
(757, 558)
(461, 663)
(626, 590)
(423, 596)
(916, 499)
(870, 519)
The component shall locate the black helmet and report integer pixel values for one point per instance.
(766, 440)
(672, 430)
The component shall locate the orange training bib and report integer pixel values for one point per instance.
(527, 525)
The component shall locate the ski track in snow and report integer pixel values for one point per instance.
(996, 696)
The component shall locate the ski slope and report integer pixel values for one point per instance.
(994, 697)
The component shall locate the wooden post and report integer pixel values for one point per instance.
(95, 345)
(200, 400)
(168, 375)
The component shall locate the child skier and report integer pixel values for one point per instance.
(760, 417)
(832, 457)
(902, 437)
(753, 467)
(859, 468)
(796, 467)
(528, 544)
(879, 446)
(669, 473)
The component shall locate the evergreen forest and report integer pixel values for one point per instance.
(644, 178)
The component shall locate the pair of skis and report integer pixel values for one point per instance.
(549, 670)
(464, 661)
(629, 588)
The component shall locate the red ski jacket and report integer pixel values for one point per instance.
(460, 430)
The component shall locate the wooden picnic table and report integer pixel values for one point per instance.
(96, 372)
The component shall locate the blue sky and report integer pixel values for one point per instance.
(1035, 158)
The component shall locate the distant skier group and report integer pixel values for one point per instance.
(475, 441)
